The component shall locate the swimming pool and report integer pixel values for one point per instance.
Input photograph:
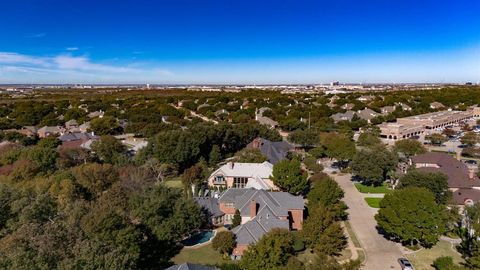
(199, 238)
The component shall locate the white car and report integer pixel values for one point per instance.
(405, 264)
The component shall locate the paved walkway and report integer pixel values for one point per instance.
(381, 254)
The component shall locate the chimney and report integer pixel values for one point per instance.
(253, 209)
(232, 164)
(471, 174)
(256, 143)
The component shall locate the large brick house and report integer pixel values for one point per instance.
(260, 211)
(462, 180)
(243, 175)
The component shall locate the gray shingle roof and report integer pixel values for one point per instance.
(278, 202)
(274, 151)
(210, 205)
(76, 136)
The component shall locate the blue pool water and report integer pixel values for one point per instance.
(198, 238)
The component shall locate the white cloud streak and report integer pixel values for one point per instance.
(65, 68)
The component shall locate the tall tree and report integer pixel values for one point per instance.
(109, 149)
(271, 252)
(373, 164)
(409, 147)
(436, 182)
(289, 176)
(322, 232)
(224, 242)
(337, 145)
(470, 138)
(412, 216)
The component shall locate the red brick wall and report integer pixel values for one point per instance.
(227, 210)
(297, 219)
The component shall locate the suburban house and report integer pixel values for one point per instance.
(76, 140)
(436, 105)
(274, 151)
(261, 211)
(367, 114)
(366, 98)
(211, 208)
(50, 131)
(263, 120)
(404, 106)
(243, 175)
(462, 180)
(346, 116)
(29, 131)
(348, 106)
(388, 110)
(71, 125)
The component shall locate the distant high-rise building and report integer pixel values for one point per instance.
(334, 83)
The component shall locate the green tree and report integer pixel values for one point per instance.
(436, 138)
(412, 216)
(409, 147)
(373, 164)
(272, 251)
(250, 155)
(445, 263)
(322, 232)
(237, 219)
(369, 138)
(215, 156)
(337, 146)
(95, 178)
(49, 142)
(305, 138)
(436, 182)
(470, 138)
(109, 149)
(289, 176)
(327, 193)
(106, 125)
(224, 242)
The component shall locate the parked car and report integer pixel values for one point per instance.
(471, 161)
(405, 264)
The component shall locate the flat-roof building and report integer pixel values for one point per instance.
(407, 127)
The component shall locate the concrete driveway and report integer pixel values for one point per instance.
(381, 254)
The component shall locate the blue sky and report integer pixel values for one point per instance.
(243, 41)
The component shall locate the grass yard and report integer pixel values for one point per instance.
(372, 189)
(203, 255)
(373, 202)
(174, 183)
(423, 259)
(352, 235)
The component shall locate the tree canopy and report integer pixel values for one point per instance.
(412, 216)
(289, 176)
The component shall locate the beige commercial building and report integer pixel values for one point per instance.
(407, 127)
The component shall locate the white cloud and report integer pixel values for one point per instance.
(37, 35)
(72, 49)
(15, 58)
(65, 68)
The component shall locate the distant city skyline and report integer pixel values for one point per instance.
(239, 42)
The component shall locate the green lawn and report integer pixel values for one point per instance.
(373, 202)
(423, 259)
(203, 255)
(174, 183)
(372, 189)
(352, 235)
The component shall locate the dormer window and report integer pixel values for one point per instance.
(219, 179)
